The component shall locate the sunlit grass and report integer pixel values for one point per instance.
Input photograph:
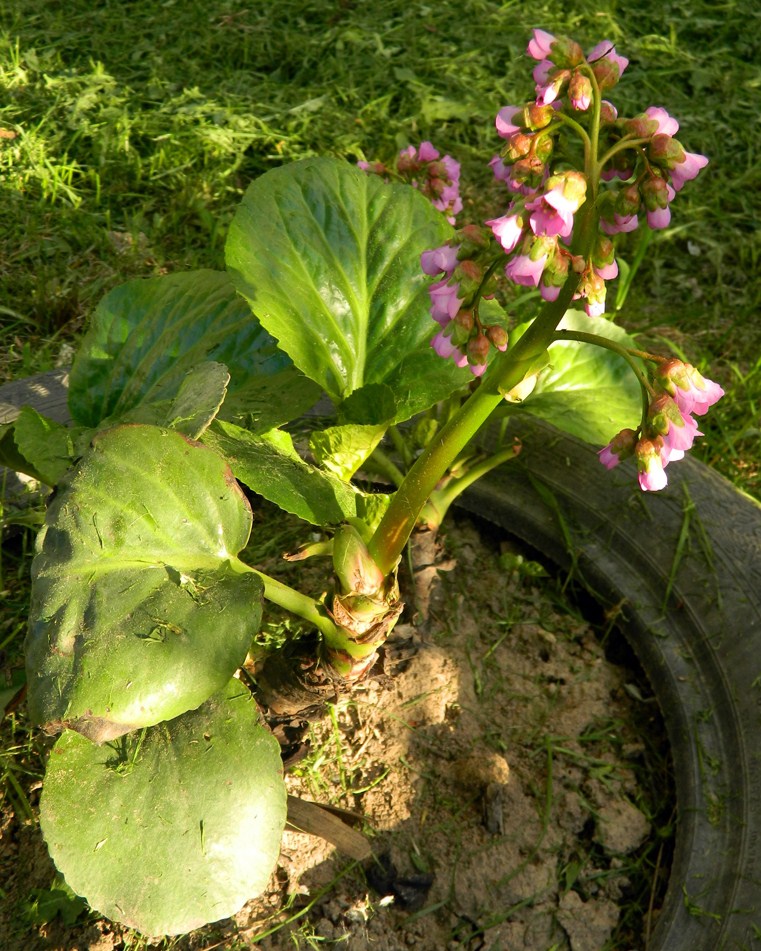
(131, 135)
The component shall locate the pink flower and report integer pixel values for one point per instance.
(607, 51)
(507, 230)
(552, 213)
(679, 439)
(607, 271)
(439, 259)
(687, 169)
(540, 45)
(502, 172)
(660, 218)
(549, 292)
(620, 447)
(690, 390)
(541, 72)
(667, 125)
(444, 301)
(446, 349)
(505, 121)
(548, 219)
(620, 224)
(651, 476)
(521, 269)
(549, 90)
(427, 153)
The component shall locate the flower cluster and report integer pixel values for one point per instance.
(640, 160)
(437, 176)
(455, 297)
(678, 391)
(654, 166)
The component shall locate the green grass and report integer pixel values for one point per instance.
(137, 130)
(128, 133)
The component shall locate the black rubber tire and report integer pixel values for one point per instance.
(684, 568)
(684, 565)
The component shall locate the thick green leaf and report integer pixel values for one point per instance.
(586, 390)
(140, 609)
(342, 449)
(270, 465)
(196, 403)
(49, 447)
(329, 258)
(170, 828)
(146, 335)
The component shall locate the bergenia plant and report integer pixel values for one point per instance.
(164, 799)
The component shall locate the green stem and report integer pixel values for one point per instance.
(621, 146)
(443, 498)
(297, 603)
(577, 127)
(400, 445)
(593, 163)
(506, 372)
(614, 347)
(484, 281)
(381, 464)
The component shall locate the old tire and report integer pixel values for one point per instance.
(683, 568)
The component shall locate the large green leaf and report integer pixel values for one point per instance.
(146, 335)
(140, 608)
(168, 829)
(270, 465)
(49, 446)
(586, 390)
(329, 258)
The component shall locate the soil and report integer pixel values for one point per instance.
(508, 770)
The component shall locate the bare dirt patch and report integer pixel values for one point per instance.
(508, 774)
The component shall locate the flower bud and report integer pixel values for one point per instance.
(518, 146)
(665, 151)
(543, 148)
(498, 336)
(478, 349)
(607, 73)
(603, 252)
(556, 270)
(628, 201)
(529, 171)
(461, 328)
(565, 52)
(355, 570)
(580, 91)
(474, 235)
(537, 116)
(619, 448)
(470, 270)
(407, 163)
(643, 126)
(608, 112)
(662, 413)
(655, 192)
